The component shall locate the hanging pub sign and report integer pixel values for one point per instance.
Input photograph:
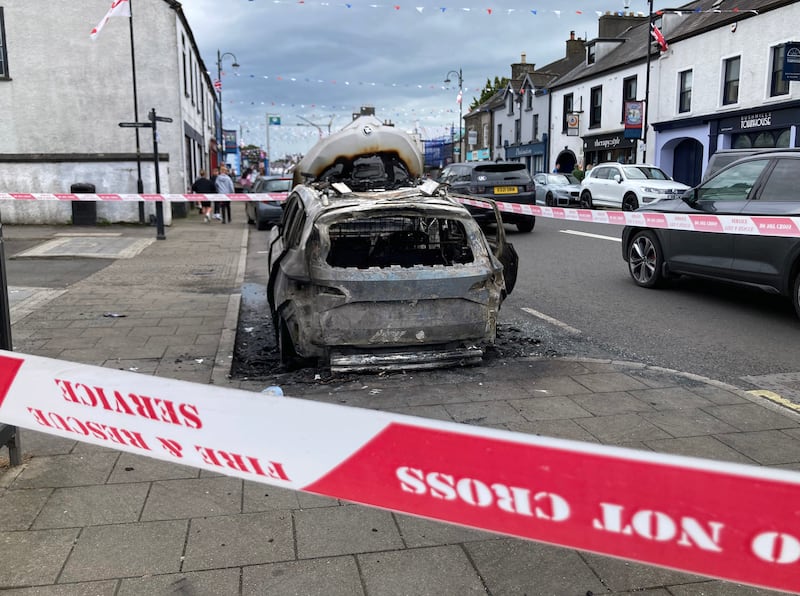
(791, 61)
(573, 124)
(229, 141)
(633, 119)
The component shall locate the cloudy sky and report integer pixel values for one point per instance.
(319, 61)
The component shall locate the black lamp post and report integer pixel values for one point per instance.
(647, 81)
(235, 66)
(460, 105)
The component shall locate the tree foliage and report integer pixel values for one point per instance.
(488, 90)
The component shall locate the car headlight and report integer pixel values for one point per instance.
(655, 191)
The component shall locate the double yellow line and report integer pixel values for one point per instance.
(774, 397)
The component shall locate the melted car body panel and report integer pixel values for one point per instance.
(383, 279)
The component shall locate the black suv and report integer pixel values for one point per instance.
(506, 182)
(764, 184)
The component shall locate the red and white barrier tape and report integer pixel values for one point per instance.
(699, 222)
(718, 519)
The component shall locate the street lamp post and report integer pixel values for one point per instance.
(235, 66)
(460, 105)
(647, 82)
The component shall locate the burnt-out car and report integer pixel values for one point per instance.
(370, 269)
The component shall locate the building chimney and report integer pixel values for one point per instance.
(613, 25)
(522, 58)
(575, 47)
(520, 69)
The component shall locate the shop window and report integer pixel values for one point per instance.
(730, 88)
(685, 91)
(3, 54)
(596, 107)
(778, 86)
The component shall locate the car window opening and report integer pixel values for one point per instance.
(378, 171)
(404, 241)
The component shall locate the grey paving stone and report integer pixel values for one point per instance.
(336, 576)
(609, 382)
(751, 417)
(620, 575)
(482, 413)
(624, 428)
(344, 530)
(66, 470)
(198, 583)
(265, 497)
(104, 588)
(520, 567)
(126, 550)
(555, 385)
(561, 429)
(35, 443)
(705, 447)
(717, 395)
(193, 497)
(431, 412)
(138, 468)
(768, 447)
(31, 558)
(616, 402)
(19, 508)
(236, 540)
(551, 367)
(687, 423)
(434, 571)
(671, 398)
(548, 408)
(417, 532)
(92, 506)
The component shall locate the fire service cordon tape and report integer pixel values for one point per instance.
(756, 225)
(722, 520)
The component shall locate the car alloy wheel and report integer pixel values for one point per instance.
(645, 259)
(630, 202)
(548, 200)
(586, 200)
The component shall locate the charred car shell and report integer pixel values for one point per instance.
(394, 277)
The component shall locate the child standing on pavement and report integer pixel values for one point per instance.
(203, 186)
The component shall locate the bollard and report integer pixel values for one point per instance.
(9, 435)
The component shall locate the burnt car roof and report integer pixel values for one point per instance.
(366, 155)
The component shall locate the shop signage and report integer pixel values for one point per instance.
(573, 124)
(605, 142)
(791, 62)
(633, 119)
(759, 121)
(229, 141)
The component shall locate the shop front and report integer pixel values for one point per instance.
(757, 128)
(609, 147)
(533, 154)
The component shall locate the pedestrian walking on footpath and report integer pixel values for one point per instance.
(204, 186)
(224, 186)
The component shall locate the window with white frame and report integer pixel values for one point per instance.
(529, 99)
(629, 89)
(568, 106)
(596, 107)
(777, 84)
(730, 85)
(685, 91)
(535, 127)
(510, 104)
(499, 142)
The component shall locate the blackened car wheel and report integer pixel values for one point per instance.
(586, 200)
(796, 294)
(645, 259)
(286, 348)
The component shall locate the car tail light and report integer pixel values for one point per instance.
(477, 190)
(529, 187)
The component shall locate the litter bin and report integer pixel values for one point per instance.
(84, 213)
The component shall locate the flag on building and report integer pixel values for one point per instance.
(119, 8)
(217, 84)
(659, 37)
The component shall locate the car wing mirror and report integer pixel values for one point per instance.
(618, 178)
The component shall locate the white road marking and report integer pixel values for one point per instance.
(588, 235)
(552, 321)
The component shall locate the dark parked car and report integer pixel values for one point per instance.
(372, 269)
(267, 213)
(508, 182)
(764, 184)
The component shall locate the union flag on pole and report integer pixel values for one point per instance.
(460, 94)
(119, 8)
(659, 37)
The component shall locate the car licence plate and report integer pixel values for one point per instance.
(505, 190)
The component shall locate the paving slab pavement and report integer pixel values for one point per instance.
(82, 519)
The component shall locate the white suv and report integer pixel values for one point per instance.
(627, 186)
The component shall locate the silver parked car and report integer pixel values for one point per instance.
(369, 269)
(557, 190)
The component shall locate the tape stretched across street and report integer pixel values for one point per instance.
(701, 222)
(722, 520)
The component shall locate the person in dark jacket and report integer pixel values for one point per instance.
(204, 186)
